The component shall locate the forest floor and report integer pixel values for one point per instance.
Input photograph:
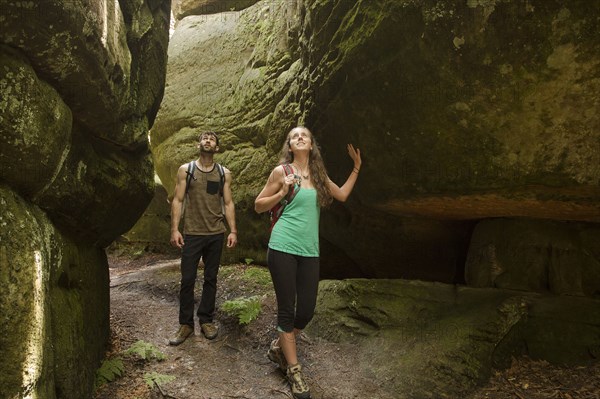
(144, 307)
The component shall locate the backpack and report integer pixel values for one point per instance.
(190, 176)
(277, 210)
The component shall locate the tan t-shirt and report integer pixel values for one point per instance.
(204, 208)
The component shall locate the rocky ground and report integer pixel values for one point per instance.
(144, 307)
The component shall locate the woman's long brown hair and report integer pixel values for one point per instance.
(316, 166)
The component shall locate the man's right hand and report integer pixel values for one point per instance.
(177, 239)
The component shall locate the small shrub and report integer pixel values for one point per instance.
(110, 370)
(145, 351)
(245, 309)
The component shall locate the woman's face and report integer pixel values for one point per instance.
(300, 139)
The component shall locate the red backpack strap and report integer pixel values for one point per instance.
(287, 169)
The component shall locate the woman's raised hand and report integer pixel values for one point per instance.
(355, 155)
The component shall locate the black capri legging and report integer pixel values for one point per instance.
(296, 281)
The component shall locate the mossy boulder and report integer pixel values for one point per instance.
(35, 123)
(103, 58)
(463, 111)
(82, 87)
(433, 340)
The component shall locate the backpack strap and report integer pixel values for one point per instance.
(190, 175)
(278, 208)
(221, 177)
(287, 168)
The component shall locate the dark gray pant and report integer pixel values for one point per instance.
(296, 282)
(209, 248)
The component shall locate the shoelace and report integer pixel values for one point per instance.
(299, 381)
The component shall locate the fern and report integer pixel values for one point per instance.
(154, 377)
(145, 351)
(246, 309)
(109, 371)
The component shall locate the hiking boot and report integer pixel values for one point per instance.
(182, 334)
(210, 330)
(299, 386)
(275, 354)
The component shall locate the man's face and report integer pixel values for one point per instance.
(208, 144)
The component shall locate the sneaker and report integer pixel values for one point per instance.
(210, 330)
(299, 386)
(182, 334)
(275, 354)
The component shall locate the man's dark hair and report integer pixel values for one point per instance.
(216, 136)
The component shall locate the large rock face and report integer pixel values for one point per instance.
(463, 111)
(80, 86)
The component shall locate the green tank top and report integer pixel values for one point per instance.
(297, 230)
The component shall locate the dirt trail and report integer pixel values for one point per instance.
(144, 306)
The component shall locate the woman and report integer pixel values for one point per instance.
(293, 254)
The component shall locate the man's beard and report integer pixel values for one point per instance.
(210, 150)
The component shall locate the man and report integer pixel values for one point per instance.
(204, 233)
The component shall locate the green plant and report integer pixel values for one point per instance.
(258, 275)
(246, 309)
(248, 261)
(110, 370)
(159, 379)
(145, 351)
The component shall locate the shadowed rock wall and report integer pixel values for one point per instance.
(80, 86)
(463, 111)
